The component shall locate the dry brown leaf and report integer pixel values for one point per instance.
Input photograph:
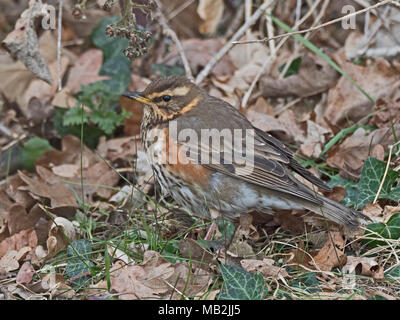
(86, 70)
(315, 76)
(388, 211)
(201, 51)
(64, 99)
(121, 148)
(70, 154)
(363, 266)
(315, 141)
(332, 253)
(9, 261)
(372, 210)
(350, 155)
(18, 219)
(133, 282)
(58, 193)
(379, 79)
(17, 241)
(22, 42)
(265, 266)
(211, 12)
(61, 233)
(41, 90)
(25, 273)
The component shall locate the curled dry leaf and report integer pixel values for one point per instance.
(23, 41)
(363, 266)
(211, 12)
(61, 233)
(265, 266)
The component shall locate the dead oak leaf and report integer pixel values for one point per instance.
(58, 193)
(85, 70)
(364, 266)
(134, 282)
(265, 266)
(332, 253)
(345, 101)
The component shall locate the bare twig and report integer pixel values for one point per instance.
(60, 9)
(386, 171)
(178, 10)
(171, 34)
(206, 70)
(273, 55)
(350, 15)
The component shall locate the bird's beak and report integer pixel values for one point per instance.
(136, 96)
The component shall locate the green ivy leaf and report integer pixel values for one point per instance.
(238, 284)
(364, 192)
(33, 149)
(79, 262)
(390, 230)
(370, 180)
(308, 282)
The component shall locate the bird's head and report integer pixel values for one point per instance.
(166, 98)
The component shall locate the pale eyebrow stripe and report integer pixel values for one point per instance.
(180, 91)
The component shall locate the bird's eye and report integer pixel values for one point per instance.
(166, 98)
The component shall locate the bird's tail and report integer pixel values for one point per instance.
(338, 213)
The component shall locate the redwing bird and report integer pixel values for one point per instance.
(223, 186)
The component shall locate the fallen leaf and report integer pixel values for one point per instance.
(19, 240)
(315, 141)
(363, 266)
(302, 84)
(345, 101)
(61, 233)
(372, 210)
(23, 42)
(25, 273)
(200, 51)
(349, 157)
(265, 266)
(332, 253)
(211, 12)
(85, 70)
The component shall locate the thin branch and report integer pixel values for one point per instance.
(386, 171)
(353, 14)
(273, 56)
(59, 44)
(171, 34)
(206, 70)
